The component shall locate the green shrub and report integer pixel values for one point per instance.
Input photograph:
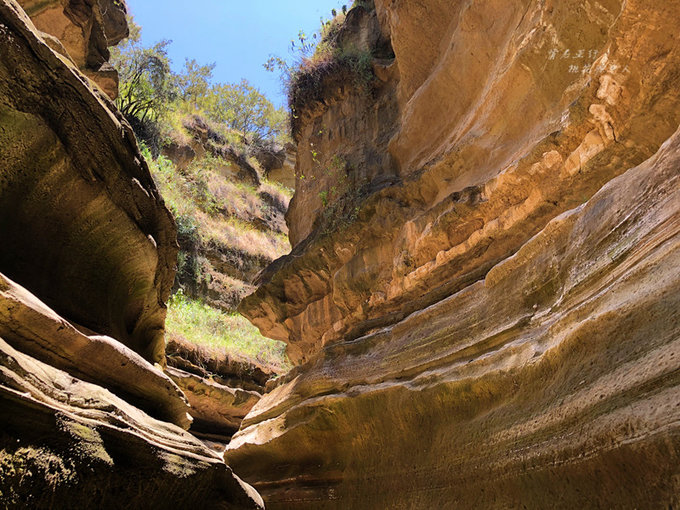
(321, 63)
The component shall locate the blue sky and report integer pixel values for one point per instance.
(238, 36)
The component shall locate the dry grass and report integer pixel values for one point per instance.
(279, 193)
(226, 212)
(234, 198)
(214, 209)
(242, 236)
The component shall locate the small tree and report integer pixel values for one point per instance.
(194, 82)
(246, 110)
(147, 84)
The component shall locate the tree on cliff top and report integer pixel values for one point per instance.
(245, 109)
(147, 84)
(313, 60)
(150, 90)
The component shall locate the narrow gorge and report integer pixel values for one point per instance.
(481, 303)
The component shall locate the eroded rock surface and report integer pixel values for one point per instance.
(490, 320)
(29, 325)
(491, 134)
(552, 382)
(217, 409)
(278, 163)
(82, 31)
(221, 390)
(65, 443)
(82, 224)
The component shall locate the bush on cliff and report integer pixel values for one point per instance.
(320, 62)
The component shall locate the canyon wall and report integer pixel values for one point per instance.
(82, 31)
(89, 416)
(484, 284)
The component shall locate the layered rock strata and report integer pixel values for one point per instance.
(553, 381)
(516, 139)
(220, 390)
(65, 443)
(219, 271)
(218, 409)
(29, 325)
(487, 316)
(82, 31)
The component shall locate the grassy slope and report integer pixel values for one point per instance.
(222, 332)
(221, 212)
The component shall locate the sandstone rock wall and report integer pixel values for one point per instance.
(82, 224)
(82, 31)
(487, 147)
(496, 325)
(88, 252)
(343, 124)
(550, 383)
(65, 443)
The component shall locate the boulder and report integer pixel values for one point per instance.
(278, 163)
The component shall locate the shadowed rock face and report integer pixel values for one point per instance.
(82, 224)
(65, 443)
(497, 325)
(29, 325)
(89, 418)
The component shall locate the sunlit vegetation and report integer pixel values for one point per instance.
(218, 212)
(316, 58)
(153, 97)
(218, 331)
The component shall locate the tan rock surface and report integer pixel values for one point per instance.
(29, 325)
(488, 313)
(82, 224)
(216, 408)
(553, 382)
(65, 443)
(86, 234)
(85, 29)
(477, 138)
(278, 164)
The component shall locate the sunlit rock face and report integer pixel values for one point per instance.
(82, 31)
(493, 321)
(503, 130)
